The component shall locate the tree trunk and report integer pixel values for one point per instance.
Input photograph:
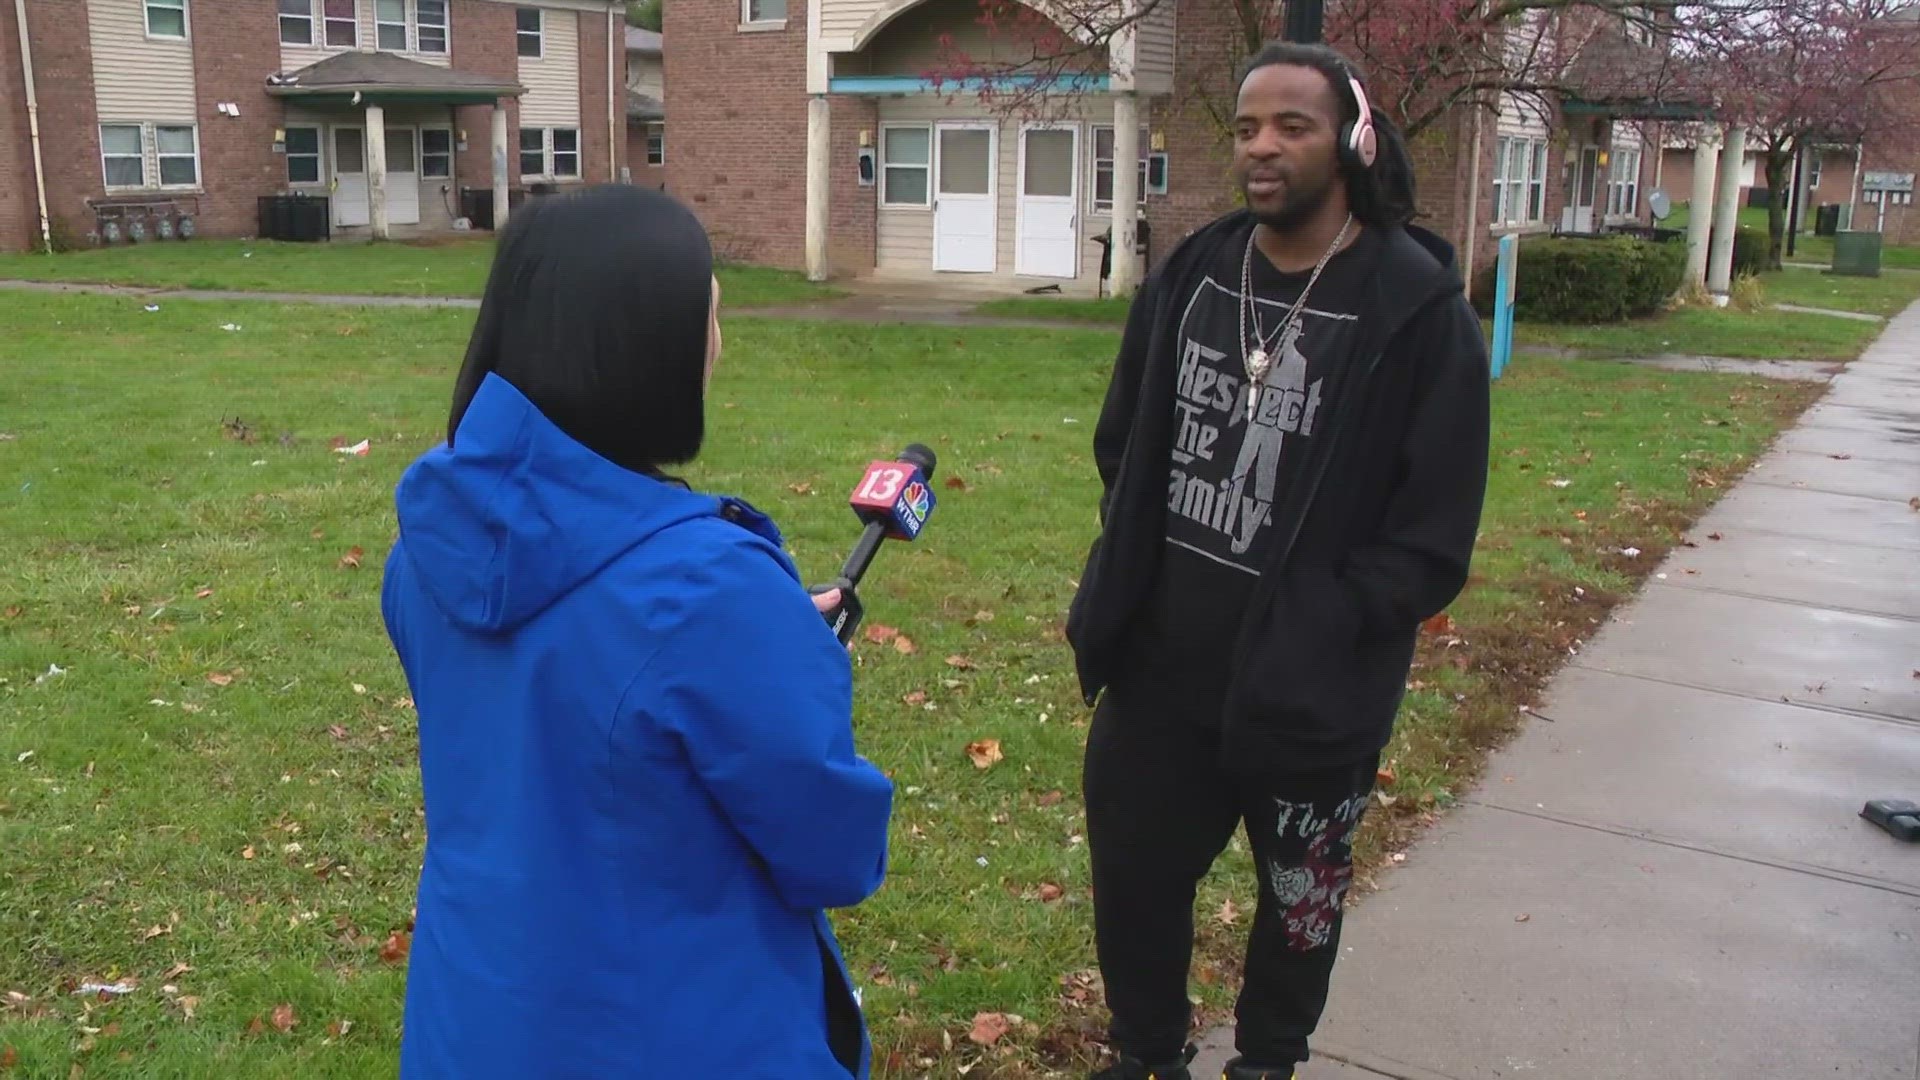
(1779, 159)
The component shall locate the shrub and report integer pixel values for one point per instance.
(1567, 280)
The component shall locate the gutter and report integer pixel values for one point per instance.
(33, 124)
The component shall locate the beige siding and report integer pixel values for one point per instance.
(136, 77)
(553, 80)
(1153, 51)
(904, 235)
(840, 20)
(295, 57)
(644, 75)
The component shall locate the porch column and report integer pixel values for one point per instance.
(377, 170)
(819, 180)
(1726, 212)
(1706, 158)
(499, 167)
(1126, 192)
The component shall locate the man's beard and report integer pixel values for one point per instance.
(1297, 208)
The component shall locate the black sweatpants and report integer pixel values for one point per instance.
(1160, 809)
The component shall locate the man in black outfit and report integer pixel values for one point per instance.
(1294, 454)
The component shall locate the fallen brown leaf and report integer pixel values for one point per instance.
(351, 560)
(220, 678)
(955, 483)
(203, 594)
(1385, 774)
(915, 697)
(395, 948)
(989, 1028)
(339, 1028)
(985, 753)
(190, 1003)
(801, 488)
(175, 972)
(319, 534)
(904, 645)
(256, 1027)
(155, 931)
(879, 633)
(1580, 515)
(1053, 798)
(960, 662)
(1228, 914)
(9, 1058)
(336, 731)
(14, 611)
(1439, 624)
(283, 1018)
(1049, 892)
(247, 852)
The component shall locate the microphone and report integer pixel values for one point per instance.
(894, 499)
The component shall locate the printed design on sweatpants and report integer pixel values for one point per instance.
(1310, 893)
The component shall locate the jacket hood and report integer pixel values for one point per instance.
(518, 514)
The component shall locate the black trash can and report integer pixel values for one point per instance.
(1826, 220)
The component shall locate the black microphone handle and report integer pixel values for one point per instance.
(863, 552)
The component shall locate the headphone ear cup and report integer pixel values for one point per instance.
(1367, 146)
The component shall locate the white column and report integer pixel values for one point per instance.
(500, 158)
(1726, 211)
(377, 170)
(1706, 159)
(1126, 192)
(819, 179)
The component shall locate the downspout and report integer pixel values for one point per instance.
(1473, 200)
(614, 30)
(33, 124)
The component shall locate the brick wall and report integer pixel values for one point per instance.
(484, 44)
(69, 124)
(738, 106)
(644, 175)
(594, 102)
(19, 213)
(853, 218)
(236, 45)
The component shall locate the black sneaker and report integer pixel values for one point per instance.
(1129, 1067)
(1237, 1071)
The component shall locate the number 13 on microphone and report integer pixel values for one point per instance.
(894, 492)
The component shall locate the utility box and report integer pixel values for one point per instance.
(1856, 253)
(1826, 220)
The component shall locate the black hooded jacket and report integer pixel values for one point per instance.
(1374, 538)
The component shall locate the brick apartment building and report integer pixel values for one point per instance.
(646, 108)
(164, 117)
(909, 180)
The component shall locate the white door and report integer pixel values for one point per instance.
(1047, 236)
(350, 178)
(403, 177)
(1578, 216)
(965, 224)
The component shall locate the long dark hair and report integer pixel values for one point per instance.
(1381, 196)
(597, 310)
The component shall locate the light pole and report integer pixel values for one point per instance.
(1304, 18)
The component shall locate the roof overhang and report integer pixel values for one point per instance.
(360, 97)
(355, 80)
(909, 84)
(1636, 109)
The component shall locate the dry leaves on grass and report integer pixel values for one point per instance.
(881, 634)
(1051, 798)
(351, 560)
(1385, 775)
(247, 853)
(916, 698)
(394, 949)
(283, 1018)
(985, 753)
(220, 678)
(1439, 624)
(989, 1028)
(960, 663)
(336, 731)
(1228, 914)
(955, 483)
(1049, 892)
(802, 488)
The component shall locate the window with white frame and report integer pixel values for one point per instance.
(1519, 180)
(763, 11)
(1623, 182)
(123, 155)
(1152, 169)
(551, 153)
(656, 144)
(906, 165)
(1813, 169)
(436, 152)
(430, 26)
(528, 26)
(390, 25)
(303, 155)
(142, 156)
(342, 19)
(167, 18)
(296, 22)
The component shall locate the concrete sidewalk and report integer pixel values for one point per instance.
(1665, 875)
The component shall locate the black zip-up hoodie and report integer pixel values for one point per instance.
(1373, 539)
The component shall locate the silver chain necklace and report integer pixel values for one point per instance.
(1257, 358)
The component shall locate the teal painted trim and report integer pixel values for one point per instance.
(908, 84)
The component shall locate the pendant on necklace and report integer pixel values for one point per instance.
(1257, 362)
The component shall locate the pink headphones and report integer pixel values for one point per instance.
(1359, 145)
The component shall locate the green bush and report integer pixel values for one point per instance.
(1568, 280)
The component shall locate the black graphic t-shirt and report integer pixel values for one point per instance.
(1228, 474)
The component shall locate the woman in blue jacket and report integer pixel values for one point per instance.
(636, 743)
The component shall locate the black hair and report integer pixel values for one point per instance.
(1381, 196)
(597, 309)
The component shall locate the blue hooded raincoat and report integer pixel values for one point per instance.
(638, 766)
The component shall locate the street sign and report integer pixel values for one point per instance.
(1898, 183)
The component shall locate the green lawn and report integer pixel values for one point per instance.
(1887, 295)
(207, 772)
(1808, 248)
(441, 267)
